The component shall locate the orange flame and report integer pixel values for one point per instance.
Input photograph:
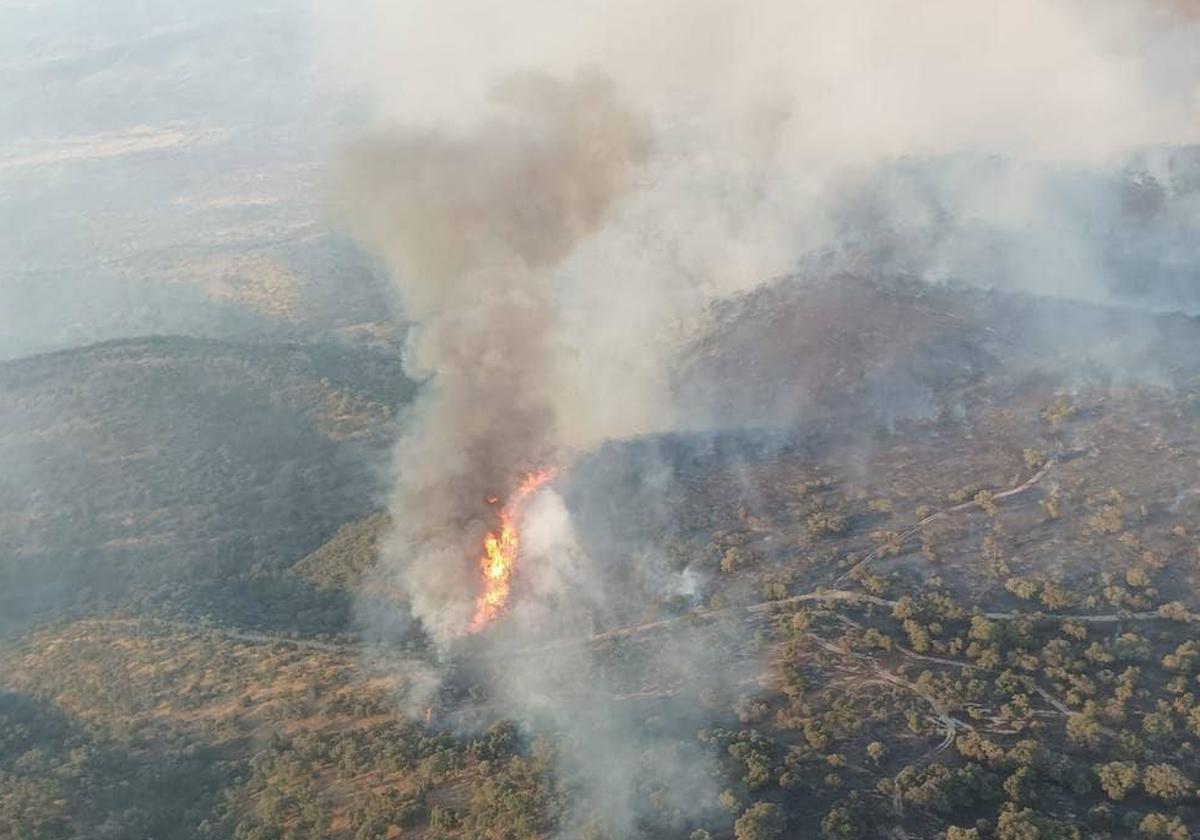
(500, 553)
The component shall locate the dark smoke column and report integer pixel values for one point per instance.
(472, 225)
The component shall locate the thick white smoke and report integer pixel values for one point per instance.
(766, 115)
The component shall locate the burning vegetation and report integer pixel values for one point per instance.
(500, 551)
(473, 224)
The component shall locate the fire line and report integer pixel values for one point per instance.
(500, 549)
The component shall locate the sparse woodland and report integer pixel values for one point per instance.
(992, 632)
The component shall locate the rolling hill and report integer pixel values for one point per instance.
(947, 588)
(167, 469)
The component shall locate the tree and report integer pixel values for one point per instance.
(1027, 825)
(1118, 778)
(1023, 588)
(443, 819)
(876, 750)
(918, 636)
(761, 821)
(1136, 577)
(1185, 659)
(1056, 597)
(1176, 611)
(842, 823)
(954, 832)
(1020, 785)
(827, 523)
(1160, 725)
(733, 559)
(1084, 729)
(728, 800)
(1161, 827)
(1164, 782)
(499, 741)
(1109, 520)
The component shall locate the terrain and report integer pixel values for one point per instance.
(949, 589)
(161, 171)
(183, 472)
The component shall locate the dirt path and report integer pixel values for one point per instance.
(849, 596)
(905, 536)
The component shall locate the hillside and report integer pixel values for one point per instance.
(950, 592)
(169, 469)
(810, 348)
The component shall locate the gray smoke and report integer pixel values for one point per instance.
(548, 312)
(554, 263)
(472, 224)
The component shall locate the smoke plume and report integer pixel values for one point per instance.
(472, 224)
(553, 260)
(550, 291)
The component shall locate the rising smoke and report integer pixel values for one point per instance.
(472, 225)
(565, 187)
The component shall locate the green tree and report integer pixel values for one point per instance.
(1162, 781)
(1027, 825)
(1083, 729)
(761, 821)
(954, 832)
(842, 823)
(728, 800)
(1118, 778)
(1161, 827)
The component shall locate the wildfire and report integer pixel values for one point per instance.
(500, 552)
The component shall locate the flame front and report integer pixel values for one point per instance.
(500, 553)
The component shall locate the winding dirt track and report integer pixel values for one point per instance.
(705, 614)
(945, 512)
(849, 596)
